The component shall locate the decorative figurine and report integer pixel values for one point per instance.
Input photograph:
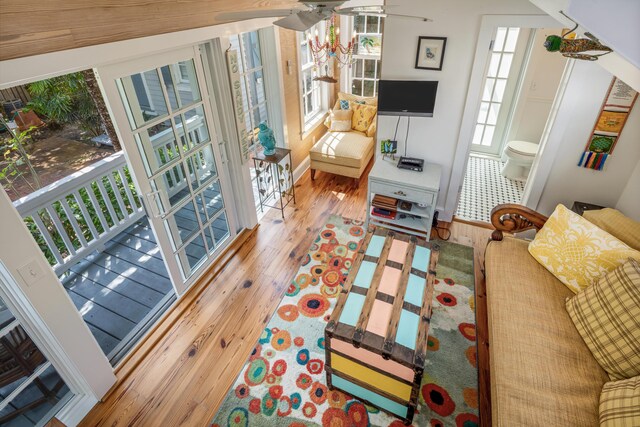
(267, 140)
(388, 148)
(573, 48)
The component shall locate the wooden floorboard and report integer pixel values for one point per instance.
(191, 363)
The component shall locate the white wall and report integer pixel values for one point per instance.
(435, 139)
(629, 201)
(539, 85)
(580, 107)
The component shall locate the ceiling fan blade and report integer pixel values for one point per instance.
(376, 10)
(302, 21)
(251, 14)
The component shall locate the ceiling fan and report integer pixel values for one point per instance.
(310, 12)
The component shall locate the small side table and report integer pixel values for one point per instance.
(581, 207)
(274, 176)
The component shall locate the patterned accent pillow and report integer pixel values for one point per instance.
(344, 104)
(576, 251)
(363, 116)
(607, 316)
(341, 120)
(620, 403)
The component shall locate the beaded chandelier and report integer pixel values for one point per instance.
(331, 48)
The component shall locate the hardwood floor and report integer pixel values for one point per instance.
(205, 341)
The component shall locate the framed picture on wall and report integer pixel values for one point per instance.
(430, 52)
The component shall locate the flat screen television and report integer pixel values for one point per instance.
(406, 97)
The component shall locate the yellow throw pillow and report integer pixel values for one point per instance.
(607, 316)
(576, 251)
(363, 116)
(341, 120)
(620, 403)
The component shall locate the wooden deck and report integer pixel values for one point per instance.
(120, 289)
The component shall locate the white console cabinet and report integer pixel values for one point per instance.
(419, 188)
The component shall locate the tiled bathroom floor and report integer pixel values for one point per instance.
(484, 187)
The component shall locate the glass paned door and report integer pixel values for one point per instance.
(505, 61)
(170, 142)
(31, 390)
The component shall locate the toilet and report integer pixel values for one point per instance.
(519, 156)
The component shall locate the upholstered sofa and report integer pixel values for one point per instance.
(345, 153)
(541, 371)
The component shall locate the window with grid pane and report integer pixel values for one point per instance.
(365, 71)
(250, 63)
(502, 54)
(310, 89)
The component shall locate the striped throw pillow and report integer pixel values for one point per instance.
(607, 316)
(620, 403)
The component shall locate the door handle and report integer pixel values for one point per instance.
(150, 204)
(223, 152)
(400, 193)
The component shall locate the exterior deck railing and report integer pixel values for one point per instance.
(80, 213)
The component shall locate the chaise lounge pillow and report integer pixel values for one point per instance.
(576, 251)
(340, 120)
(620, 403)
(607, 316)
(363, 116)
(358, 99)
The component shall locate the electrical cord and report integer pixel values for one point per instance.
(406, 137)
(395, 135)
(437, 230)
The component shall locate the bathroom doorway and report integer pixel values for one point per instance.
(519, 86)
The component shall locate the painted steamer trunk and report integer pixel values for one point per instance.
(376, 338)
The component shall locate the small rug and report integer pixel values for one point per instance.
(283, 384)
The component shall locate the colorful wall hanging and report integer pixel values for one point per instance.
(614, 112)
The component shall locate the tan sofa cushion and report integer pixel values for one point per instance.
(617, 224)
(343, 148)
(363, 99)
(542, 373)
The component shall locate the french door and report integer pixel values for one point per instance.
(506, 57)
(164, 116)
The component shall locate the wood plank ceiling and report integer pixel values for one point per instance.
(36, 27)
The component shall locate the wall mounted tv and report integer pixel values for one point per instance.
(406, 97)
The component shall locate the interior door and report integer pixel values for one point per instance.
(163, 116)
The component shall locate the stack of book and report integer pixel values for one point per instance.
(385, 202)
(384, 213)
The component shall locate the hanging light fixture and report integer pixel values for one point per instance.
(331, 48)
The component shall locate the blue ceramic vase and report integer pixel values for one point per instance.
(267, 140)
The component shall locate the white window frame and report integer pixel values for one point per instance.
(318, 91)
(349, 72)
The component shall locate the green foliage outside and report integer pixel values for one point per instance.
(15, 155)
(64, 100)
(80, 218)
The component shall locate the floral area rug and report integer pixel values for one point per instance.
(283, 383)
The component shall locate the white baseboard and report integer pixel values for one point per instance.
(301, 169)
(76, 409)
